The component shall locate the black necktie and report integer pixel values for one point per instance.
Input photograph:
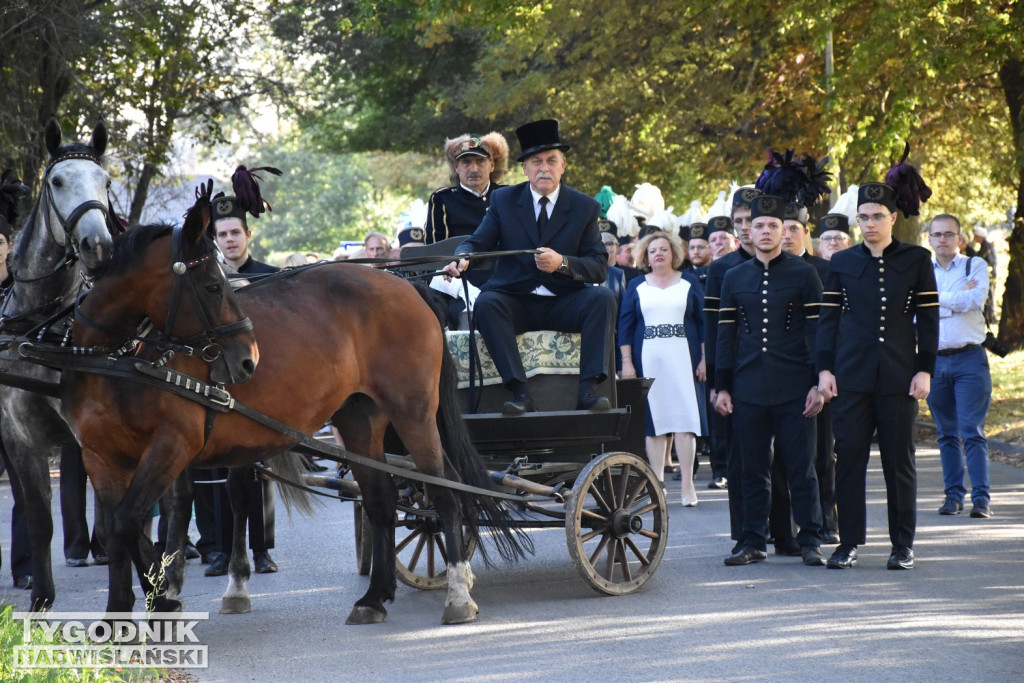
(542, 217)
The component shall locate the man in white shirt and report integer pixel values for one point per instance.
(962, 386)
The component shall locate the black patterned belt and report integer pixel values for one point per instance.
(959, 349)
(652, 331)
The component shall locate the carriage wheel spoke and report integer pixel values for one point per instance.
(422, 541)
(600, 547)
(441, 550)
(635, 493)
(609, 562)
(592, 533)
(590, 514)
(649, 533)
(620, 494)
(609, 487)
(407, 540)
(599, 499)
(640, 555)
(650, 507)
(623, 560)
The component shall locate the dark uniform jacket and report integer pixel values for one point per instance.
(767, 325)
(712, 300)
(820, 265)
(253, 266)
(700, 273)
(455, 211)
(879, 318)
(510, 224)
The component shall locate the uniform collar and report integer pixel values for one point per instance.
(774, 262)
(474, 192)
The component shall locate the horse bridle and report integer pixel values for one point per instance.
(68, 223)
(202, 344)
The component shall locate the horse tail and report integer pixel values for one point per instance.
(511, 541)
(290, 466)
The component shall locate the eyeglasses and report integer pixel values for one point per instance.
(873, 218)
(834, 238)
(943, 235)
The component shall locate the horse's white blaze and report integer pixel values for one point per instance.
(460, 583)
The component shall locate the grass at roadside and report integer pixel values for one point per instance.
(1006, 413)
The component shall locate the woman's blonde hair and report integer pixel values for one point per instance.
(640, 251)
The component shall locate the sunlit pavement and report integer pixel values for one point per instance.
(959, 613)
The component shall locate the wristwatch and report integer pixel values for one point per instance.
(564, 268)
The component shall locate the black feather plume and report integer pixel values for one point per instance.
(245, 181)
(908, 185)
(816, 186)
(782, 176)
(11, 190)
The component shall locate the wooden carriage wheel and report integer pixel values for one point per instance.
(616, 525)
(420, 556)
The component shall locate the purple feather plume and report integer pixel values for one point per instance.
(245, 181)
(782, 176)
(909, 186)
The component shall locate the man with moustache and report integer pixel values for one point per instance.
(549, 289)
(833, 234)
(475, 165)
(877, 342)
(766, 381)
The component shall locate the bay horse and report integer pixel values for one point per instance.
(67, 237)
(329, 335)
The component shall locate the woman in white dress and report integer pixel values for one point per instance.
(661, 332)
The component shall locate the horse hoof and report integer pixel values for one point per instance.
(361, 614)
(458, 614)
(165, 604)
(237, 604)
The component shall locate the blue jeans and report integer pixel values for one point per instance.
(960, 394)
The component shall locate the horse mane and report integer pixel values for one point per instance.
(130, 246)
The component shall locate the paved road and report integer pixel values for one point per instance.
(960, 613)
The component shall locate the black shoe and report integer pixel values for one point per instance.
(518, 406)
(23, 582)
(190, 551)
(77, 562)
(589, 401)
(844, 557)
(746, 555)
(902, 558)
(830, 538)
(788, 548)
(218, 564)
(813, 557)
(981, 511)
(952, 506)
(264, 564)
(718, 483)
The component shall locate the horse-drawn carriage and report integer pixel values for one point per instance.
(160, 371)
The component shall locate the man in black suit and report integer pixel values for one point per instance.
(877, 341)
(547, 289)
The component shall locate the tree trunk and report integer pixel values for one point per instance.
(1011, 323)
(141, 194)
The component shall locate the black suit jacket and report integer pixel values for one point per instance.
(510, 224)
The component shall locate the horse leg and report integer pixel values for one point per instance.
(362, 428)
(459, 607)
(236, 598)
(30, 483)
(177, 504)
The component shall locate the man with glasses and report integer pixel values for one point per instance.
(962, 386)
(877, 339)
(833, 234)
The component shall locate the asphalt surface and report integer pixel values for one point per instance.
(959, 614)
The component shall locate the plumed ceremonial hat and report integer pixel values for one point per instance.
(796, 212)
(539, 136)
(834, 221)
(904, 189)
(247, 198)
(719, 224)
(768, 205)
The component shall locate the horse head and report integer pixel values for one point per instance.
(74, 197)
(170, 279)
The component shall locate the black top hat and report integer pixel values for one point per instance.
(699, 231)
(796, 212)
(472, 146)
(742, 198)
(834, 221)
(411, 236)
(539, 136)
(768, 205)
(719, 224)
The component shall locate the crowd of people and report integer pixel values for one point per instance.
(774, 341)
